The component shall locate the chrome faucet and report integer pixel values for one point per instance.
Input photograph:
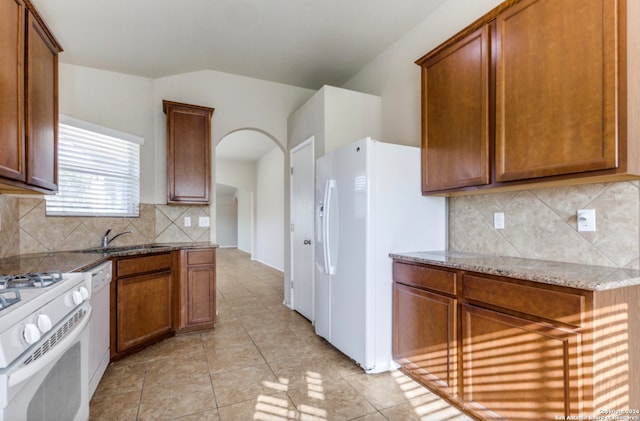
(106, 240)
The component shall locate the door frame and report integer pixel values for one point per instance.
(309, 142)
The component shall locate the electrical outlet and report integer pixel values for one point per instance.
(498, 220)
(203, 221)
(586, 220)
(187, 221)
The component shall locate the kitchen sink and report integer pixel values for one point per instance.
(123, 249)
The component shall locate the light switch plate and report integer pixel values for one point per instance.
(586, 220)
(203, 221)
(498, 220)
(187, 221)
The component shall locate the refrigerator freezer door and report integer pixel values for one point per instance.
(349, 282)
(322, 321)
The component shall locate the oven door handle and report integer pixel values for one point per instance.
(56, 352)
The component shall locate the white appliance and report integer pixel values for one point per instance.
(44, 346)
(99, 280)
(368, 204)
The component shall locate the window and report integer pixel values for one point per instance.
(98, 171)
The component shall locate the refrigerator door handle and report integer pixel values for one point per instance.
(328, 261)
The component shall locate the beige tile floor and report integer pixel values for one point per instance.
(261, 362)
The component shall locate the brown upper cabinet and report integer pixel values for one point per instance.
(188, 153)
(534, 93)
(455, 119)
(29, 100)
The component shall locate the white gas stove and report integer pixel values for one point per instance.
(43, 301)
(43, 320)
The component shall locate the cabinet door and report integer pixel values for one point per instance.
(143, 309)
(424, 336)
(556, 80)
(188, 153)
(455, 114)
(517, 369)
(201, 295)
(12, 146)
(42, 107)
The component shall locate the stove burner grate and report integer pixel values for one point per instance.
(29, 280)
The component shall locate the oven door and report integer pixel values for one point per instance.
(50, 382)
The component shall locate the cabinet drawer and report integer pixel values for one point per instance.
(139, 265)
(537, 301)
(201, 257)
(425, 277)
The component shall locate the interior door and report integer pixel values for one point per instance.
(302, 216)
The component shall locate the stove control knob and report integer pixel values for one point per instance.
(31, 333)
(84, 292)
(76, 298)
(44, 323)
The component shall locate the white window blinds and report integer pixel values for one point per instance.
(98, 171)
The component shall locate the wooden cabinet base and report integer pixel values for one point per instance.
(141, 302)
(519, 369)
(197, 290)
(430, 352)
(501, 348)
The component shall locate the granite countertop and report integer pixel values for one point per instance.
(587, 277)
(80, 260)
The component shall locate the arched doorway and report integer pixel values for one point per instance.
(252, 162)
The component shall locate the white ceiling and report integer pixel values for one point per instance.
(306, 43)
(244, 145)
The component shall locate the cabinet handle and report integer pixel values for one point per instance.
(307, 242)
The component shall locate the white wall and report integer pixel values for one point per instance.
(269, 227)
(307, 121)
(396, 78)
(239, 102)
(334, 117)
(227, 220)
(240, 174)
(245, 220)
(114, 100)
(133, 104)
(350, 116)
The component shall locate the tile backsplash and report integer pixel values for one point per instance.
(539, 224)
(24, 227)
(9, 226)
(542, 224)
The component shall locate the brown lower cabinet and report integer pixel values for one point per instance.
(506, 349)
(430, 350)
(141, 302)
(197, 309)
(516, 368)
(155, 295)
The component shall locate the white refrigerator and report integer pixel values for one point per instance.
(368, 204)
